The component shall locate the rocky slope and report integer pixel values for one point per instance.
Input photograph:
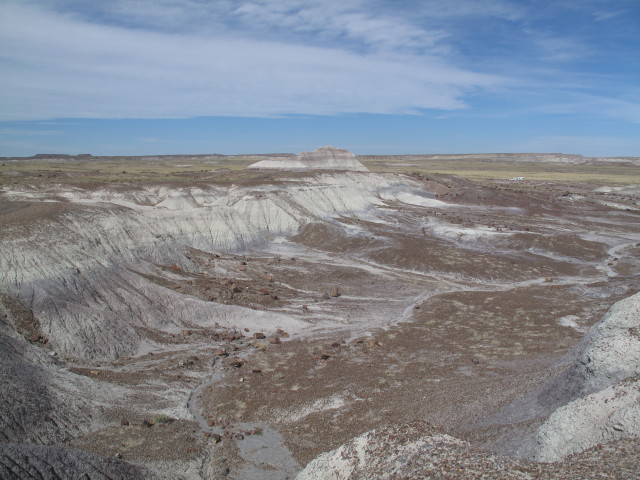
(86, 277)
(597, 398)
(167, 325)
(45, 462)
(599, 394)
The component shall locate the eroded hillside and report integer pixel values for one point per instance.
(241, 328)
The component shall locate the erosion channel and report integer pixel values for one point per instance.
(240, 326)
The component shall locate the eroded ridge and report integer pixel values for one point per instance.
(240, 329)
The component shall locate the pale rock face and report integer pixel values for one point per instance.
(608, 353)
(80, 272)
(325, 158)
(606, 381)
(84, 270)
(596, 399)
(40, 400)
(370, 455)
(602, 417)
(611, 349)
(280, 163)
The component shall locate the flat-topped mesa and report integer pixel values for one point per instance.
(331, 158)
(325, 158)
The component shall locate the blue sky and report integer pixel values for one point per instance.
(137, 77)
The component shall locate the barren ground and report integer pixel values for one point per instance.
(440, 315)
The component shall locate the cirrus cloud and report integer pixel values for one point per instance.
(57, 65)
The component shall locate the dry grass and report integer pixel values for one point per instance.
(610, 173)
(233, 169)
(123, 170)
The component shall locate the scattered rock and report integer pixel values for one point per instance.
(256, 370)
(372, 342)
(211, 422)
(124, 422)
(274, 340)
(35, 338)
(282, 333)
(259, 335)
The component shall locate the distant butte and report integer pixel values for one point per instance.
(325, 158)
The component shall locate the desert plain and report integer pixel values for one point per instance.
(424, 316)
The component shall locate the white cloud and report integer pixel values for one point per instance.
(17, 132)
(56, 66)
(503, 9)
(600, 106)
(559, 49)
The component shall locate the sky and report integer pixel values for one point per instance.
(146, 77)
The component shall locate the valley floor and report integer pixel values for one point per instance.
(430, 306)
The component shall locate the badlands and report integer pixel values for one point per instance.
(320, 316)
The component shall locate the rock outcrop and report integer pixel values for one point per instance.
(594, 400)
(85, 270)
(325, 158)
(597, 399)
(45, 462)
(40, 401)
(411, 450)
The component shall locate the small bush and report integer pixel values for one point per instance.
(162, 418)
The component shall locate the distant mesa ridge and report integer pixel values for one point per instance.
(325, 158)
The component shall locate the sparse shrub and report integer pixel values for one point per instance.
(162, 418)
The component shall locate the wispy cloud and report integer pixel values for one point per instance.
(584, 104)
(265, 58)
(17, 132)
(559, 49)
(55, 65)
